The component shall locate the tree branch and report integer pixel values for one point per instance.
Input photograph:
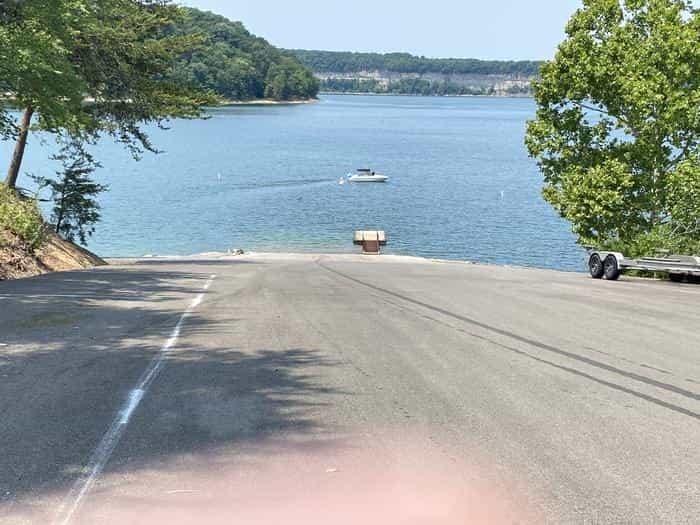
(603, 112)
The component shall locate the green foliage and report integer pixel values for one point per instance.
(36, 38)
(8, 129)
(347, 62)
(89, 68)
(75, 211)
(237, 65)
(617, 132)
(22, 217)
(125, 54)
(684, 197)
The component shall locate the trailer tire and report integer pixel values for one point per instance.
(675, 277)
(595, 265)
(611, 268)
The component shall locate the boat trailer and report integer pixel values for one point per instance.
(610, 265)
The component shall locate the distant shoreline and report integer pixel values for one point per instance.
(354, 93)
(6, 102)
(267, 102)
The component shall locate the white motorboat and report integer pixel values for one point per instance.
(367, 175)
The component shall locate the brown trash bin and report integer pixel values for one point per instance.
(371, 241)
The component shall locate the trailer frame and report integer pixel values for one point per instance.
(610, 265)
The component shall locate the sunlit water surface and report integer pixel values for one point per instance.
(267, 178)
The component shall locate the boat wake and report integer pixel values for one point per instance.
(280, 184)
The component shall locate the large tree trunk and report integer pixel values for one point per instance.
(13, 172)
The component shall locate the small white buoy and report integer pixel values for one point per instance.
(503, 194)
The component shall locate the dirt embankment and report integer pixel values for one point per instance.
(18, 260)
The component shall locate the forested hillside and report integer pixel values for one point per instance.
(237, 65)
(348, 62)
(402, 73)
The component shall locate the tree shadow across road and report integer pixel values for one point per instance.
(220, 397)
(77, 343)
(147, 280)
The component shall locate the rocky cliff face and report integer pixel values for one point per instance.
(499, 84)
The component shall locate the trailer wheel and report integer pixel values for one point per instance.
(610, 268)
(595, 265)
(675, 277)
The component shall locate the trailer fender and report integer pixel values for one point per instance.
(603, 255)
(618, 256)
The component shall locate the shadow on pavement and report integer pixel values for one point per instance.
(75, 344)
(198, 262)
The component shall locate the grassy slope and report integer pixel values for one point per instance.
(28, 246)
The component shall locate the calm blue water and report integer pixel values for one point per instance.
(266, 178)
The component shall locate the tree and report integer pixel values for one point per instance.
(618, 121)
(684, 206)
(277, 82)
(75, 210)
(35, 69)
(237, 65)
(93, 67)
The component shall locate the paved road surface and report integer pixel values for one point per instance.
(342, 389)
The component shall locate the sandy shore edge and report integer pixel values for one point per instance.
(267, 102)
(306, 256)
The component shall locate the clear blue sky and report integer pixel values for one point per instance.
(489, 29)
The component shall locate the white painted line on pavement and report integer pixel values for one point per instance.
(104, 450)
(56, 296)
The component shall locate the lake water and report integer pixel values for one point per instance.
(266, 178)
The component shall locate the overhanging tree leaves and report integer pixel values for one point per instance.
(618, 123)
(35, 69)
(93, 67)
